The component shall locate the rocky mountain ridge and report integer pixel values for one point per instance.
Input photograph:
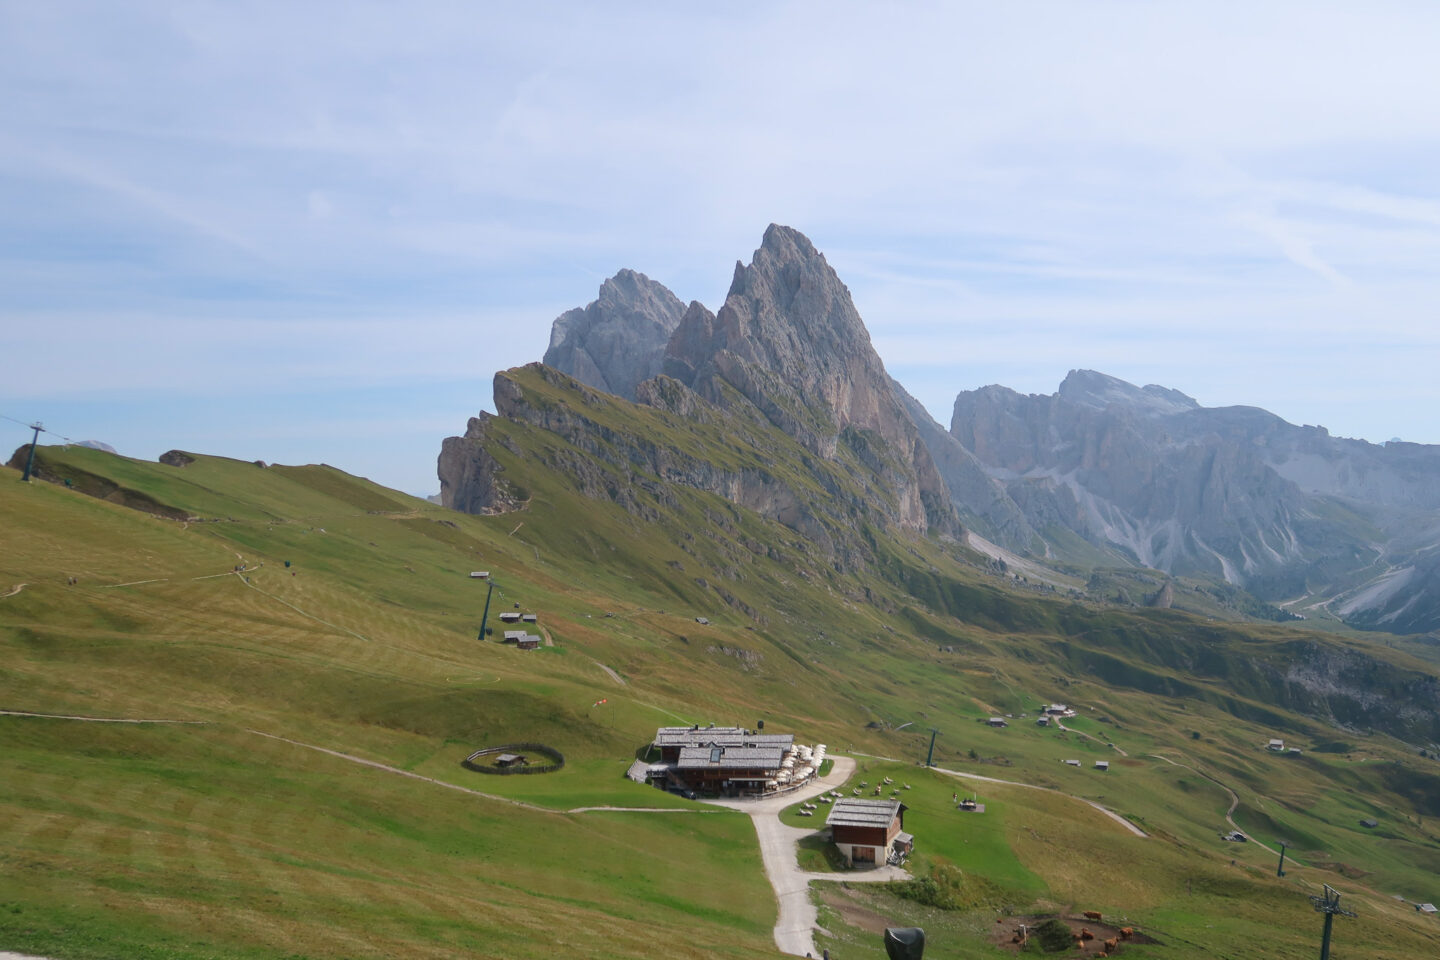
(787, 352)
(1288, 512)
(1102, 473)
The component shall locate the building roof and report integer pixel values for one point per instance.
(724, 736)
(850, 812)
(729, 758)
(1425, 907)
(1277, 743)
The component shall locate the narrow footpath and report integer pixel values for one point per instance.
(795, 926)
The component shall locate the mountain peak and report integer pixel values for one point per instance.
(1094, 389)
(619, 339)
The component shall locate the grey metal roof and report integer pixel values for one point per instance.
(729, 758)
(725, 736)
(850, 812)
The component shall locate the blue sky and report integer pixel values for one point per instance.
(313, 232)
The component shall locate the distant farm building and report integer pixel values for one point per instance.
(513, 636)
(1059, 710)
(703, 621)
(474, 574)
(1102, 764)
(1277, 745)
(1425, 907)
(528, 642)
(509, 616)
(1369, 824)
(997, 722)
(529, 618)
(510, 760)
(732, 761)
(866, 832)
(1072, 763)
(1043, 722)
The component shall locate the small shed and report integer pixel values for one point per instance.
(514, 636)
(997, 722)
(510, 760)
(1276, 745)
(528, 642)
(1369, 824)
(1072, 763)
(703, 621)
(529, 618)
(1042, 722)
(509, 616)
(1425, 907)
(1102, 764)
(474, 574)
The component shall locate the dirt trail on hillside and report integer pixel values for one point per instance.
(13, 590)
(1090, 737)
(1234, 798)
(1030, 786)
(613, 675)
(61, 716)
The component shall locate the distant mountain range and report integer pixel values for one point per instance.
(1098, 476)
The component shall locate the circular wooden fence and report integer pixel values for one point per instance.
(555, 757)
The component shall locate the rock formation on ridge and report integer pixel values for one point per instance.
(619, 338)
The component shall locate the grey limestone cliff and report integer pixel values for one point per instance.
(1288, 512)
(619, 338)
(789, 342)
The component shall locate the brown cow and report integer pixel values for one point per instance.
(1093, 915)
(1085, 934)
(1111, 944)
(1126, 933)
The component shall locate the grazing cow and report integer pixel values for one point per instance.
(1111, 944)
(1126, 933)
(1092, 915)
(1085, 934)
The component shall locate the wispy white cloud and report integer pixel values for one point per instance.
(1220, 196)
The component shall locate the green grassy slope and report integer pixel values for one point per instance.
(211, 840)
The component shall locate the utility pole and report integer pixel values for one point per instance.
(930, 757)
(1280, 870)
(39, 428)
(1329, 904)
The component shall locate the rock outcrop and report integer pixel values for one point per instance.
(618, 339)
(789, 342)
(777, 403)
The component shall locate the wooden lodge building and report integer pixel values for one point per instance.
(866, 831)
(728, 761)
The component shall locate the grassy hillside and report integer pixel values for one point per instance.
(214, 839)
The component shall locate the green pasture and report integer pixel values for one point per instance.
(151, 841)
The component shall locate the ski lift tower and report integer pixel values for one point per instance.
(490, 589)
(39, 428)
(1329, 904)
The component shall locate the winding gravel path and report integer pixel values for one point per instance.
(795, 926)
